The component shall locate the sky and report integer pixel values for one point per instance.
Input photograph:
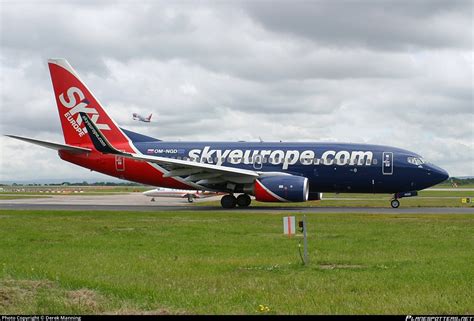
(397, 73)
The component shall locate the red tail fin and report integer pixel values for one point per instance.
(72, 97)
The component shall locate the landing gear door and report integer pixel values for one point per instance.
(387, 163)
(119, 163)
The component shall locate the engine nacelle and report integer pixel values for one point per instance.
(287, 188)
(315, 196)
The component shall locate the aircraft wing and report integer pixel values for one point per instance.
(56, 146)
(195, 172)
(177, 163)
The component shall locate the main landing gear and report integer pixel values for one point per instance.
(230, 201)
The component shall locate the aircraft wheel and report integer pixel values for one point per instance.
(395, 203)
(228, 201)
(243, 200)
(190, 199)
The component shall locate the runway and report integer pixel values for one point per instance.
(137, 202)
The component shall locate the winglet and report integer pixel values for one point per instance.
(98, 139)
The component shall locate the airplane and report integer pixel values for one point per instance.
(142, 118)
(190, 195)
(268, 171)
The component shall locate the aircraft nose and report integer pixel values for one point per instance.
(438, 174)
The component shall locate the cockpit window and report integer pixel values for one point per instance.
(415, 160)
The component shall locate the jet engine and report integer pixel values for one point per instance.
(287, 188)
(315, 196)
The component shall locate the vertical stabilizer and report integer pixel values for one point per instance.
(72, 97)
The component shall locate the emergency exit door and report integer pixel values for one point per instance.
(387, 163)
(119, 163)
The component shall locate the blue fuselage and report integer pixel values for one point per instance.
(329, 167)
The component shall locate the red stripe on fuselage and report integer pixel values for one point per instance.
(137, 171)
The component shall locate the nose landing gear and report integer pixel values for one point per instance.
(395, 203)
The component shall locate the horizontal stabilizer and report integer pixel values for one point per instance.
(50, 145)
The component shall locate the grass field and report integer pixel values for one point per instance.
(447, 184)
(60, 262)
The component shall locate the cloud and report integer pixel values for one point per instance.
(378, 25)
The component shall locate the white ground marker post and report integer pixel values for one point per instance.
(305, 241)
(289, 228)
(289, 225)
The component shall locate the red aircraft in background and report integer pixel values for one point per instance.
(141, 118)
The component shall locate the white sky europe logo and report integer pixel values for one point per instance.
(79, 106)
(284, 157)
